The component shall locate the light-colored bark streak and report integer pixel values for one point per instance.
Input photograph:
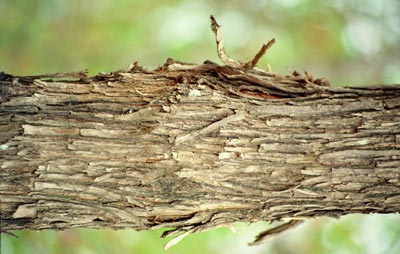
(206, 130)
(193, 149)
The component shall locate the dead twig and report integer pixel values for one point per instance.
(8, 233)
(260, 53)
(265, 235)
(220, 45)
(216, 28)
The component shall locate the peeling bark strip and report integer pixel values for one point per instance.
(192, 147)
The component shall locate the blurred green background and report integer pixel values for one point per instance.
(349, 42)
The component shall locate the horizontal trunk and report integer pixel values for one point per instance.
(192, 147)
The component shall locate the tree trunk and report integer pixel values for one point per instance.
(192, 147)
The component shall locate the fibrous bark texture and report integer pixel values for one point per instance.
(192, 147)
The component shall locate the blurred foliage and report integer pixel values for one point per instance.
(352, 234)
(348, 42)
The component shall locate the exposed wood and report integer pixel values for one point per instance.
(192, 147)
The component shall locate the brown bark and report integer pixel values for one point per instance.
(192, 147)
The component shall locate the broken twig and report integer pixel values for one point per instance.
(220, 45)
(259, 54)
(216, 28)
(265, 235)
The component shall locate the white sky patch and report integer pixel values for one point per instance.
(373, 234)
(185, 23)
(362, 36)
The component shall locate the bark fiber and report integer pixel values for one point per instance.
(192, 147)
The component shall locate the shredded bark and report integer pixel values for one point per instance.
(192, 147)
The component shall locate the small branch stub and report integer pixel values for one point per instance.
(216, 28)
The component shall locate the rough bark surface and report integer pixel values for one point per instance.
(192, 147)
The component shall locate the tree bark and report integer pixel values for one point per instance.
(192, 147)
